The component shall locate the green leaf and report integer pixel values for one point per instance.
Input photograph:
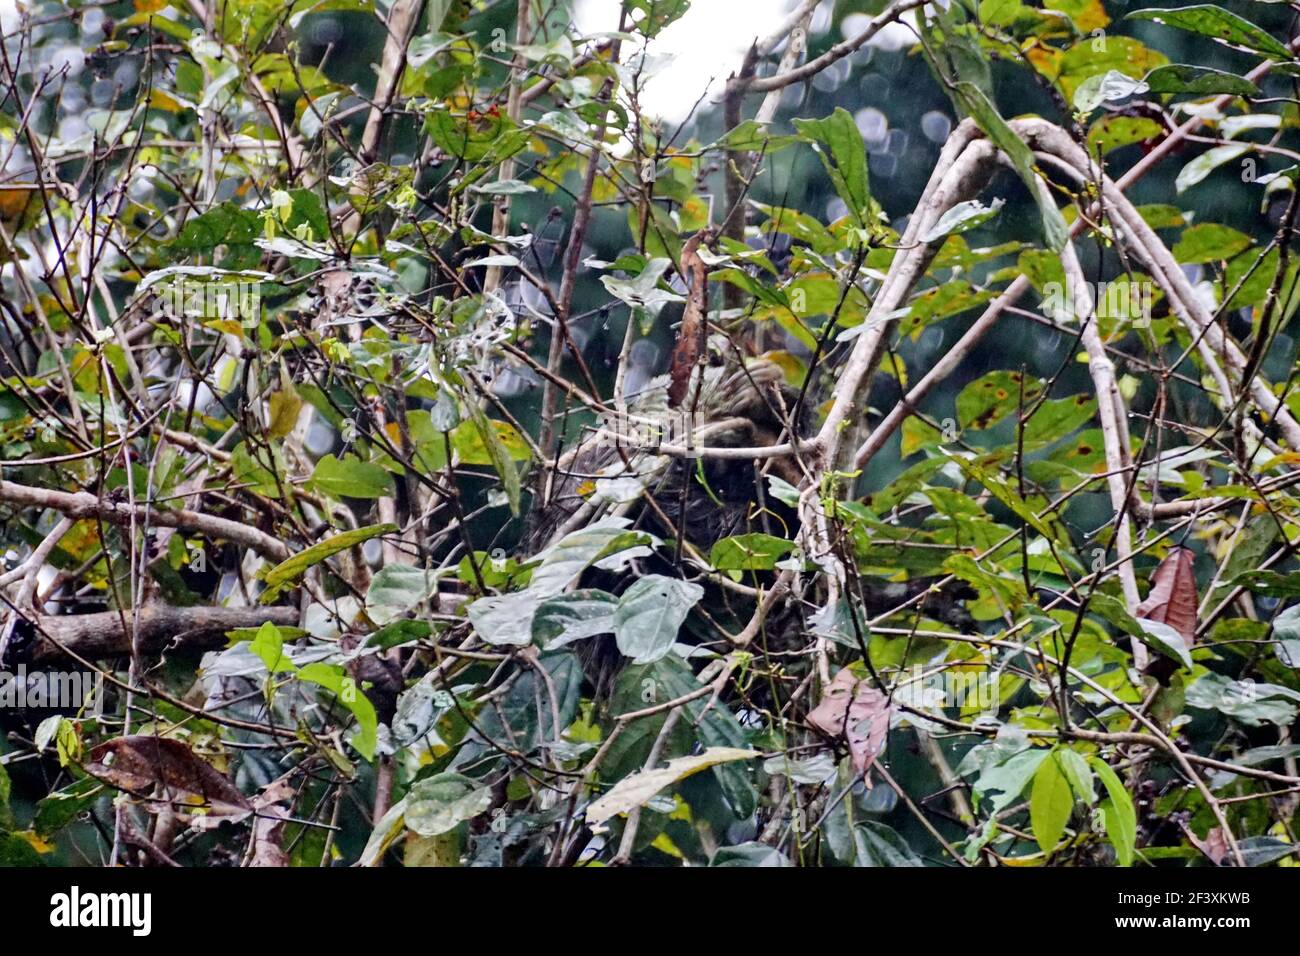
(1002, 490)
(508, 618)
(350, 477)
(223, 225)
(288, 570)
(499, 455)
(333, 678)
(1269, 583)
(1159, 636)
(268, 644)
(1056, 418)
(492, 139)
(1254, 703)
(1263, 850)
(1162, 216)
(398, 633)
(650, 613)
(443, 802)
(1095, 56)
(749, 552)
(962, 217)
(987, 400)
(250, 467)
(1208, 162)
(1210, 242)
(643, 291)
(838, 142)
(751, 854)
(1050, 803)
(1115, 130)
(1117, 813)
(752, 137)
(471, 441)
(1218, 24)
(6, 814)
(386, 832)
(971, 99)
(1286, 628)
(1003, 783)
(307, 210)
(878, 844)
(1105, 88)
(651, 16)
(1200, 80)
(15, 851)
(571, 617)
(1076, 770)
(397, 589)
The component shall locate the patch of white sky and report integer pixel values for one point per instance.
(702, 48)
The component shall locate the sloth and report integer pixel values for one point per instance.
(703, 500)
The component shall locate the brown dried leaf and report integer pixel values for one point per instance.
(1214, 846)
(1172, 599)
(692, 334)
(268, 831)
(867, 727)
(139, 764)
(830, 714)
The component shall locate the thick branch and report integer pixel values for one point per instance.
(94, 636)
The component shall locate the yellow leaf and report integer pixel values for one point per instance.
(35, 841)
(285, 406)
(13, 202)
(161, 101)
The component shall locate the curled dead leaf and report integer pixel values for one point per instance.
(867, 727)
(829, 715)
(692, 334)
(857, 711)
(1172, 599)
(142, 764)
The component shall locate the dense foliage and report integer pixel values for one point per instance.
(449, 463)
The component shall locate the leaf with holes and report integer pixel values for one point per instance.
(829, 715)
(867, 725)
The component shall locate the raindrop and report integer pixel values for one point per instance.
(102, 92)
(326, 30)
(936, 126)
(874, 127)
(68, 57)
(821, 19)
(73, 128)
(92, 22)
(125, 75)
(644, 353)
(830, 79)
(873, 86)
(320, 437)
(932, 339)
